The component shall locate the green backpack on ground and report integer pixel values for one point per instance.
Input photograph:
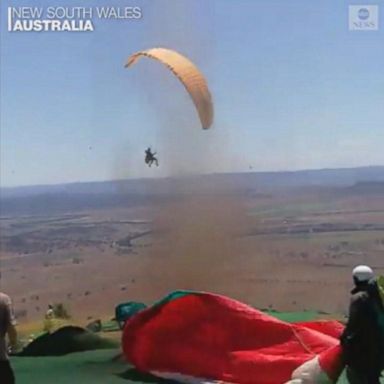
(124, 311)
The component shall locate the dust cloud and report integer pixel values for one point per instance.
(196, 242)
(196, 229)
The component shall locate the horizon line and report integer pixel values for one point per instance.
(41, 185)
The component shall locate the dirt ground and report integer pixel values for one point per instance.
(289, 251)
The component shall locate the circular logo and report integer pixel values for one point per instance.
(363, 14)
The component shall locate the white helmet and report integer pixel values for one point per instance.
(362, 273)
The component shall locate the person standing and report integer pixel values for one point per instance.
(363, 338)
(7, 327)
(49, 319)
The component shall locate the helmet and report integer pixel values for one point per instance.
(362, 273)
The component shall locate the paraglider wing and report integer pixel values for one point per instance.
(192, 79)
(215, 339)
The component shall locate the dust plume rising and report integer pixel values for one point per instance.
(196, 243)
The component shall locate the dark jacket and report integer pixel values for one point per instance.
(363, 337)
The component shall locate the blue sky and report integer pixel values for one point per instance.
(293, 89)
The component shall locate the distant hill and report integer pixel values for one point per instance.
(367, 187)
(48, 199)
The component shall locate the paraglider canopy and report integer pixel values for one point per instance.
(191, 77)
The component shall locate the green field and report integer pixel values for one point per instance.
(95, 367)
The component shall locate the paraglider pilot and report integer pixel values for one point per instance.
(150, 157)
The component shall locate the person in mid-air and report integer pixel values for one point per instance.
(150, 157)
(363, 338)
(7, 327)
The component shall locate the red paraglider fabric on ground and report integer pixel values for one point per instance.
(216, 338)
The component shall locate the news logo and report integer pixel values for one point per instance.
(363, 17)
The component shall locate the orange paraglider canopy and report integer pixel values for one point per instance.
(187, 72)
